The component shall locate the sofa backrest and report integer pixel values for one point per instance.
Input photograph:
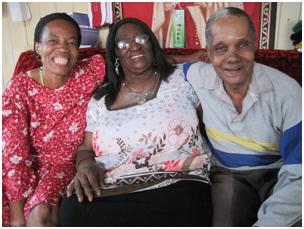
(287, 61)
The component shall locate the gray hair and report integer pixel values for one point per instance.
(224, 12)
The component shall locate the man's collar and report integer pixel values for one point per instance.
(260, 81)
(211, 77)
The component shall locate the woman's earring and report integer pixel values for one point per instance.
(37, 54)
(37, 50)
(38, 57)
(154, 62)
(116, 64)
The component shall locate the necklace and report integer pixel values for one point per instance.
(41, 76)
(141, 97)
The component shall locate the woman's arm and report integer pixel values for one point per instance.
(19, 180)
(16, 213)
(90, 175)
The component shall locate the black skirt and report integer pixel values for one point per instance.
(185, 203)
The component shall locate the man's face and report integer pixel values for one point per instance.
(232, 51)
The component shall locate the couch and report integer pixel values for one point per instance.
(287, 61)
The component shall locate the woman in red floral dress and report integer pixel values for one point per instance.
(43, 121)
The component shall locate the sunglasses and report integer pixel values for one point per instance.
(140, 39)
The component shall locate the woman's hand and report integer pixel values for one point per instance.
(89, 178)
(43, 215)
(90, 175)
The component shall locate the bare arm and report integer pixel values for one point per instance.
(17, 214)
(90, 175)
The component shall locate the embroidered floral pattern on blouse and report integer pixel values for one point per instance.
(140, 158)
(172, 165)
(178, 132)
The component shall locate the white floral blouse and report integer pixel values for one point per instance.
(153, 144)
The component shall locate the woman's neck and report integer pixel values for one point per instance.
(140, 78)
(52, 81)
(55, 82)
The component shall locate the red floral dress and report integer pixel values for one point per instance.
(41, 130)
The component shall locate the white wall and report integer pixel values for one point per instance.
(288, 14)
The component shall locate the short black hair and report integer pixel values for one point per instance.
(224, 12)
(51, 17)
(113, 81)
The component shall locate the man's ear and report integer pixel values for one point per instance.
(209, 55)
(255, 47)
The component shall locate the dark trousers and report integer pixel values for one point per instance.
(185, 203)
(237, 196)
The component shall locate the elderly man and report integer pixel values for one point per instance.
(252, 115)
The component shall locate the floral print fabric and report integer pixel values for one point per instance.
(42, 129)
(159, 137)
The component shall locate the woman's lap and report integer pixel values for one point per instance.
(54, 182)
(185, 203)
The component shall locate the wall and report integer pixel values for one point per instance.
(18, 36)
(286, 22)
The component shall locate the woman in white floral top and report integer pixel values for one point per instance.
(143, 154)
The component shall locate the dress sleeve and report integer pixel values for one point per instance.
(192, 96)
(284, 206)
(96, 69)
(92, 115)
(195, 100)
(18, 177)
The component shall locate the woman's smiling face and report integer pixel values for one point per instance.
(136, 57)
(58, 47)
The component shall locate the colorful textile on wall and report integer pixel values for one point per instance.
(100, 13)
(117, 11)
(267, 27)
(178, 24)
(159, 16)
(254, 11)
